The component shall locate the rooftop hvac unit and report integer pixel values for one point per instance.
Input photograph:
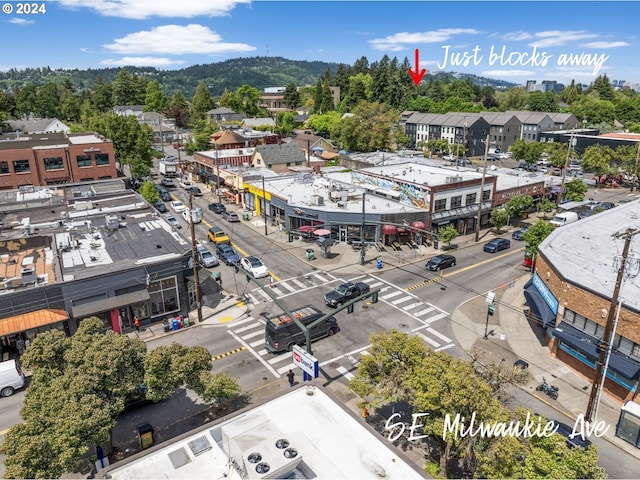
(317, 200)
(342, 204)
(453, 179)
(28, 275)
(112, 222)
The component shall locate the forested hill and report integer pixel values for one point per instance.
(259, 72)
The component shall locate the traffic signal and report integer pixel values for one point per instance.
(492, 308)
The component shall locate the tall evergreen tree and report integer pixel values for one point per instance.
(327, 97)
(291, 97)
(201, 103)
(155, 100)
(317, 97)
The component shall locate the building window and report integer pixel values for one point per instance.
(635, 351)
(593, 329)
(4, 167)
(456, 201)
(83, 160)
(470, 199)
(102, 159)
(21, 166)
(440, 205)
(486, 195)
(53, 163)
(164, 296)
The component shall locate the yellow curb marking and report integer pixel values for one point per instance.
(228, 318)
(226, 354)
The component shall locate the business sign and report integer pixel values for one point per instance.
(307, 362)
(545, 293)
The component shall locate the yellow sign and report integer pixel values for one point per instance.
(258, 192)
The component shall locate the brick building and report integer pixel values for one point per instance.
(55, 158)
(571, 291)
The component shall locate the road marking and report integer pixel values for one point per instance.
(444, 348)
(252, 334)
(263, 293)
(255, 354)
(280, 358)
(376, 284)
(319, 277)
(346, 373)
(287, 286)
(274, 276)
(252, 299)
(335, 359)
(439, 335)
(422, 284)
(436, 317)
(257, 342)
(393, 294)
(246, 320)
(355, 279)
(247, 327)
(412, 305)
(400, 300)
(226, 354)
(297, 282)
(226, 319)
(286, 368)
(428, 340)
(423, 312)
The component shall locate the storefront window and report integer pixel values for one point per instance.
(164, 296)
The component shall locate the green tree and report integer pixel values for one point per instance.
(178, 109)
(27, 100)
(515, 98)
(499, 218)
(291, 97)
(575, 190)
(518, 205)
(461, 89)
(545, 206)
(359, 89)
(248, 100)
(131, 141)
(128, 89)
(201, 103)
(602, 87)
(327, 97)
(528, 151)
(200, 141)
(149, 192)
(79, 386)
(447, 234)
(371, 127)
(536, 233)
(543, 102)
(156, 100)
(285, 123)
(102, 95)
(327, 122)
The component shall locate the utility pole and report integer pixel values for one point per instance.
(217, 173)
(264, 207)
(362, 246)
(566, 167)
(194, 258)
(635, 170)
(480, 200)
(600, 371)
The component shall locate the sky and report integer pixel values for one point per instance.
(512, 41)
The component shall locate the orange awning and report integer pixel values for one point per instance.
(30, 320)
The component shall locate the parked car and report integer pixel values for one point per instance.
(607, 205)
(207, 258)
(167, 182)
(461, 162)
(171, 220)
(194, 191)
(177, 206)
(227, 254)
(217, 208)
(161, 207)
(441, 261)
(164, 194)
(519, 234)
(184, 183)
(230, 216)
(572, 440)
(496, 245)
(254, 266)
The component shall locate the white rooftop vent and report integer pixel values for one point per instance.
(28, 275)
(112, 222)
(317, 200)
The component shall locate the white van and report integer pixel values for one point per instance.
(563, 218)
(196, 215)
(11, 377)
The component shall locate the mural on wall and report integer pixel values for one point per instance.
(410, 194)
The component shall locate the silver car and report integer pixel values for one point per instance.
(207, 258)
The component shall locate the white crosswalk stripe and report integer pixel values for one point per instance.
(257, 342)
(429, 341)
(436, 317)
(297, 282)
(439, 335)
(412, 305)
(320, 278)
(392, 294)
(242, 322)
(264, 294)
(346, 373)
(287, 286)
(252, 334)
(247, 327)
(424, 312)
(401, 300)
(286, 368)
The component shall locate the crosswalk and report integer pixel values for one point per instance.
(249, 332)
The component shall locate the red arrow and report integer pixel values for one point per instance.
(417, 75)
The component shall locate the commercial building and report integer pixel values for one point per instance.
(55, 158)
(570, 296)
(303, 434)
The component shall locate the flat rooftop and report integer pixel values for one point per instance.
(587, 252)
(419, 173)
(320, 439)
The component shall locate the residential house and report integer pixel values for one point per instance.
(279, 158)
(37, 126)
(532, 124)
(504, 130)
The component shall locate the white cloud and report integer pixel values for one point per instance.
(176, 40)
(604, 44)
(400, 41)
(141, 62)
(517, 36)
(556, 38)
(141, 9)
(20, 21)
(507, 73)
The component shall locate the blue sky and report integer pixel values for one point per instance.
(514, 41)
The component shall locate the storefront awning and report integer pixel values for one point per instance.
(539, 308)
(27, 321)
(389, 229)
(111, 303)
(418, 225)
(589, 346)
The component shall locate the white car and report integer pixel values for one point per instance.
(171, 220)
(254, 266)
(177, 206)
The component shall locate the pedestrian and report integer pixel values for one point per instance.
(136, 322)
(290, 376)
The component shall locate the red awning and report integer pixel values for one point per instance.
(418, 225)
(389, 229)
(306, 228)
(403, 231)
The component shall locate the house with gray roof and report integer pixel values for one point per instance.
(532, 124)
(279, 157)
(36, 126)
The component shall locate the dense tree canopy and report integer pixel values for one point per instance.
(79, 386)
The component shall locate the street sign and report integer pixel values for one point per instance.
(491, 296)
(307, 362)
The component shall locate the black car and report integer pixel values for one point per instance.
(217, 207)
(573, 440)
(496, 245)
(441, 261)
(607, 205)
(227, 254)
(161, 207)
(194, 191)
(519, 234)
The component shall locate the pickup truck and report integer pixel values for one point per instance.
(345, 292)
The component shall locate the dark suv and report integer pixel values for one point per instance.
(496, 245)
(441, 261)
(217, 208)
